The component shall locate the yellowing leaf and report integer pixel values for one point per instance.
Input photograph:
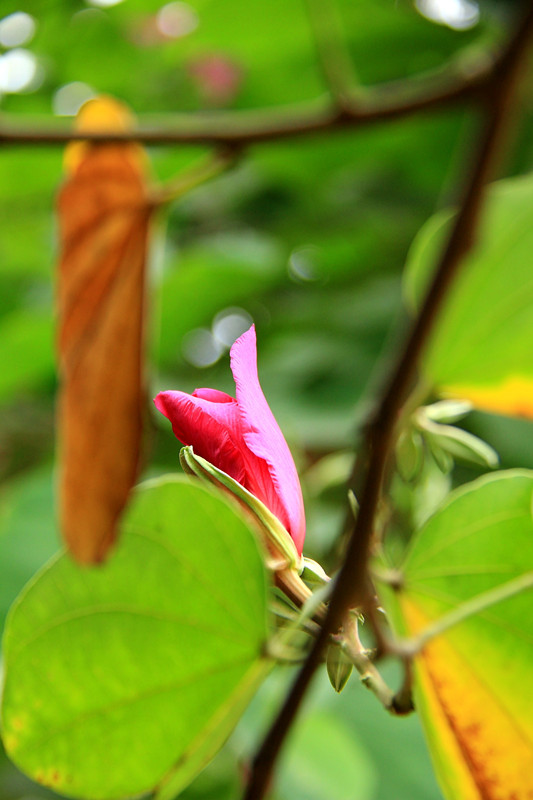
(513, 396)
(481, 346)
(490, 751)
(104, 213)
(473, 682)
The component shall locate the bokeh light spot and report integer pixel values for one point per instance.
(200, 348)
(177, 19)
(104, 3)
(16, 29)
(457, 14)
(18, 71)
(69, 98)
(302, 266)
(229, 324)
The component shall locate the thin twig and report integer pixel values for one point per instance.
(201, 172)
(402, 702)
(333, 56)
(369, 675)
(235, 128)
(352, 585)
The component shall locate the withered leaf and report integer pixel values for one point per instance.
(104, 213)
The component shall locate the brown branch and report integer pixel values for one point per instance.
(352, 585)
(237, 129)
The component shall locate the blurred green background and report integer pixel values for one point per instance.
(307, 238)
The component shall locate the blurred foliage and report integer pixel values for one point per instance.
(493, 350)
(307, 237)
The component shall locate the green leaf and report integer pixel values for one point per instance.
(143, 662)
(482, 340)
(473, 686)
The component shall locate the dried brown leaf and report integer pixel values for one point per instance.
(104, 212)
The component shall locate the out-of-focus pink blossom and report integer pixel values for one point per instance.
(217, 78)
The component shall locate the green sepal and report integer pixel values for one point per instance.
(339, 667)
(442, 458)
(313, 574)
(409, 454)
(458, 443)
(277, 539)
(448, 410)
(353, 503)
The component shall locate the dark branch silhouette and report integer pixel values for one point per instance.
(352, 587)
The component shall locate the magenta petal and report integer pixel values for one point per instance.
(278, 483)
(214, 396)
(212, 428)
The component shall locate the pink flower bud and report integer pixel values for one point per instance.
(241, 437)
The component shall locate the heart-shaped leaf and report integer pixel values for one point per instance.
(114, 674)
(474, 680)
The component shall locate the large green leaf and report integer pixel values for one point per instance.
(114, 674)
(481, 347)
(474, 680)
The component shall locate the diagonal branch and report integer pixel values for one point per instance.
(352, 584)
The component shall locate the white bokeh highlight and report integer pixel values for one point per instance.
(17, 29)
(457, 14)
